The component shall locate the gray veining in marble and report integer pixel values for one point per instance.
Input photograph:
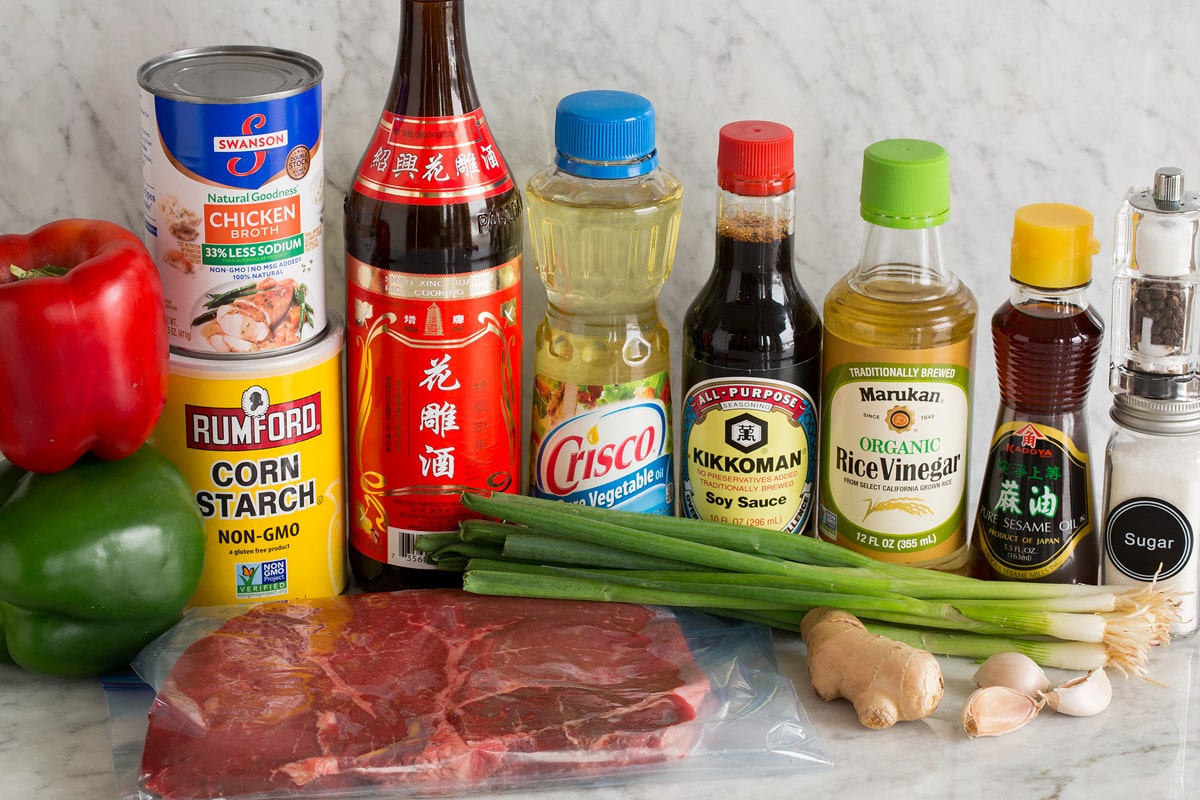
(1059, 100)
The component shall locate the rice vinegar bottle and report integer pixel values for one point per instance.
(897, 353)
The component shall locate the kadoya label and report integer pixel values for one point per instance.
(615, 455)
(1036, 505)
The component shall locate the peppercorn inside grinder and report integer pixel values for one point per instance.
(1155, 325)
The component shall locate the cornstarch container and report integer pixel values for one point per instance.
(234, 200)
(259, 440)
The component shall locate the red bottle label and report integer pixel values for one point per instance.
(434, 400)
(431, 161)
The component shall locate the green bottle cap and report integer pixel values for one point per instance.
(905, 184)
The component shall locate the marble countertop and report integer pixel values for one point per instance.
(54, 745)
(1066, 100)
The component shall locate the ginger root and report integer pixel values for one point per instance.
(886, 680)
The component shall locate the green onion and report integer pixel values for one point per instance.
(1082, 656)
(552, 549)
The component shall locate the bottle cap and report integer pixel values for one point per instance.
(1052, 246)
(605, 134)
(905, 184)
(755, 158)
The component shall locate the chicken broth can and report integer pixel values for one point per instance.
(259, 440)
(234, 202)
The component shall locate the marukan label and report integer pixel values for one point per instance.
(434, 366)
(432, 161)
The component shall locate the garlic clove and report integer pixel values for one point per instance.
(1014, 670)
(1083, 696)
(996, 710)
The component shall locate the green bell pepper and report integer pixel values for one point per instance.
(95, 561)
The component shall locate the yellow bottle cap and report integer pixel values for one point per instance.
(1052, 246)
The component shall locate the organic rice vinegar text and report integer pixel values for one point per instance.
(897, 351)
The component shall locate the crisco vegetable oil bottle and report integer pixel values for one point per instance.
(752, 349)
(897, 364)
(604, 220)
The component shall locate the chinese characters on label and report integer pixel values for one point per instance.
(438, 418)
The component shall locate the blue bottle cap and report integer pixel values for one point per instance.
(605, 134)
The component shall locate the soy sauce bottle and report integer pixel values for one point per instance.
(751, 350)
(433, 292)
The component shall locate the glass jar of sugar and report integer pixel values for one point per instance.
(1152, 499)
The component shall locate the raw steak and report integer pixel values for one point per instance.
(421, 691)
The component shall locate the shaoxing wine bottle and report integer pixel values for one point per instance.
(433, 295)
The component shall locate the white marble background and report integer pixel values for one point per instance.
(1059, 100)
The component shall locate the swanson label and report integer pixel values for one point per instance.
(614, 452)
(1036, 504)
(749, 453)
(434, 381)
(234, 207)
(895, 430)
(432, 161)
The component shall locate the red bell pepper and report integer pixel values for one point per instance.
(83, 344)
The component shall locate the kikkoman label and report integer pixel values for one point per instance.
(1037, 507)
(749, 453)
(234, 206)
(894, 454)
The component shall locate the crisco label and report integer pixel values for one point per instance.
(894, 455)
(748, 453)
(432, 161)
(615, 452)
(260, 444)
(433, 373)
(234, 210)
(1036, 507)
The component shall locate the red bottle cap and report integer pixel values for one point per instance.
(755, 158)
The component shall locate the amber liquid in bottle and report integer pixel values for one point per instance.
(752, 325)
(753, 318)
(1045, 355)
(432, 79)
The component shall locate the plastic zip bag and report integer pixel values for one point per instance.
(319, 698)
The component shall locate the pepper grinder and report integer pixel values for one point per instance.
(1155, 331)
(1152, 460)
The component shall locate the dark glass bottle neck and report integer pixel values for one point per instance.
(432, 77)
(755, 225)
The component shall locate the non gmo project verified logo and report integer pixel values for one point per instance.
(257, 579)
